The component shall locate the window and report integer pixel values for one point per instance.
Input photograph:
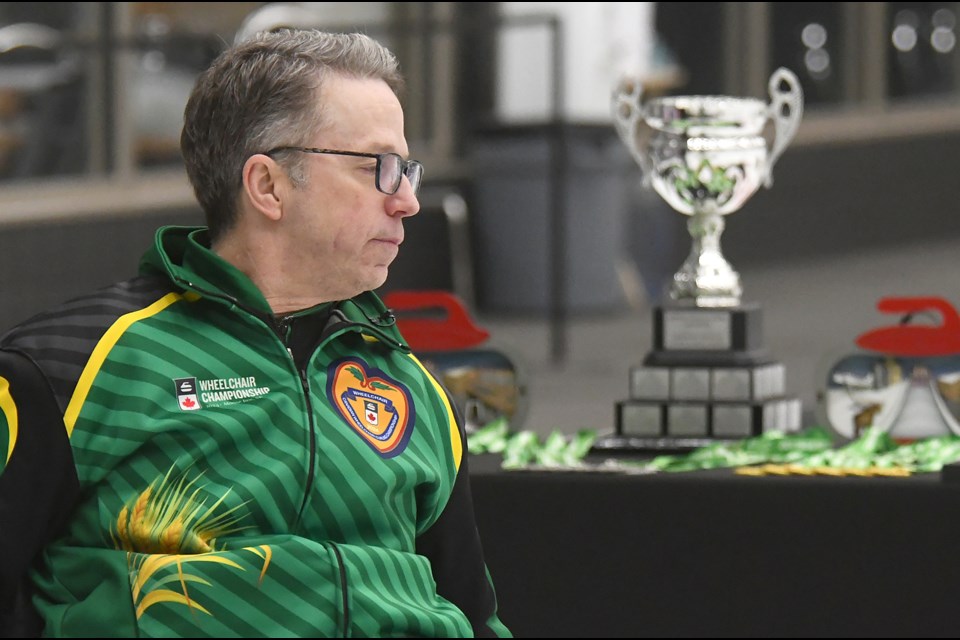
(868, 69)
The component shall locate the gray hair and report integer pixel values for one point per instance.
(263, 93)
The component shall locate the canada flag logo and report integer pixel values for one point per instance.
(372, 414)
(187, 393)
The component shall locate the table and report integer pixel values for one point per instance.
(711, 553)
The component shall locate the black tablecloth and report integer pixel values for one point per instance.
(715, 554)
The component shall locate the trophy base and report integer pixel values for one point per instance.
(710, 420)
(707, 380)
(684, 328)
(685, 293)
(707, 358)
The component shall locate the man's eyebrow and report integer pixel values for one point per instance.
(372, 146)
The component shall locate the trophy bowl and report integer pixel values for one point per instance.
(706, 156)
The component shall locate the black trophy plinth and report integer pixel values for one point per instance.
(708, 379)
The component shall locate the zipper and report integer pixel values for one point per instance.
(280, 329)
(343, 588)
(312, 461)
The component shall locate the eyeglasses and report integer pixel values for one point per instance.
(390, 167)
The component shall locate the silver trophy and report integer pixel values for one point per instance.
(706, 155)
(708, 376)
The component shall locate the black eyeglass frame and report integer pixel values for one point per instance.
(405, 165)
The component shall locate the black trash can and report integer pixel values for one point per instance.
(513, 222)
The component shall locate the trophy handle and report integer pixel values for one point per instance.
(785, 125)
(627, 117)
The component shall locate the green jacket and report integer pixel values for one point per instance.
(176, 461)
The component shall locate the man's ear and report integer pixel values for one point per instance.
(265, 184)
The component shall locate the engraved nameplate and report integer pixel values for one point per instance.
(697, 330)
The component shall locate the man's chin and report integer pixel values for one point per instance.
(378, 277)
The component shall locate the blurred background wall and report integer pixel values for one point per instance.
(506, 108)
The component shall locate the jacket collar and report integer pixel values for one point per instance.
(183, 255)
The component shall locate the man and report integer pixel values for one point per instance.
(238, 442)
